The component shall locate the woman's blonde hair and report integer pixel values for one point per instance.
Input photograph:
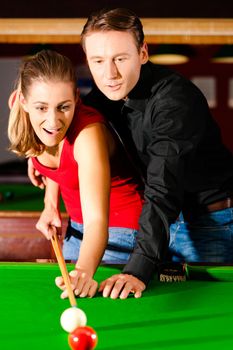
(46, 65)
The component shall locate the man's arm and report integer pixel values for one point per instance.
(121, 286)
(174, 133)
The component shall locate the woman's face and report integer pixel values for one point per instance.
(50, 105)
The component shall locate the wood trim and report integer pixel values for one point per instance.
(188, 31)
(20, 240)
(24, 214)
(157, 30)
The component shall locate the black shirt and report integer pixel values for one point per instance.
(175, 143)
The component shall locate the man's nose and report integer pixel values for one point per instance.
(111, 71)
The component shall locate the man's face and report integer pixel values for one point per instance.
(114, 62)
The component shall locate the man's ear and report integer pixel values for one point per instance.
(144, 53)
(23, 103)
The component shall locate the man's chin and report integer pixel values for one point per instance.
(113, 96)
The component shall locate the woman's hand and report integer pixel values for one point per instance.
(35, 177)
(49, 222)
(82, 284)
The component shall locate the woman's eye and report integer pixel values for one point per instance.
(64, 108)
(97, 61)
(41, 108)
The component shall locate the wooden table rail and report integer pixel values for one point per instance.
(157, 30)
(19, 238)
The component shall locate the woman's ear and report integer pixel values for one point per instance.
(11, 99)
(77, 95)
(23, 102)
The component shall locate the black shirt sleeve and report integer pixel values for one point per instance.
(175, 127)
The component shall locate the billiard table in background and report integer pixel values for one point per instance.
(191, 315)
(20, 208)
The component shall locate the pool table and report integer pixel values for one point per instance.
(196, 314)
(22, 197)
(20, 208)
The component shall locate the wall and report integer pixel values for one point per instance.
(199, 66)
(8, 73)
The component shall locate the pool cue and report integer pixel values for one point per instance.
(64, 272)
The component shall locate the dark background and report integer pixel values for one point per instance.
(144, 8)
(199, 65)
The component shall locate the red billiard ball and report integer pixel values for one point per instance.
(82, 338)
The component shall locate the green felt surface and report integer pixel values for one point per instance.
(210, 272)
(189, 315)
(24, 197)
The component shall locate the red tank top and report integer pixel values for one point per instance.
(125, 197)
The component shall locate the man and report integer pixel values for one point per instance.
(165, 125)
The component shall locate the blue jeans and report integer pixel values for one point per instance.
(122, 240)
(207, 238)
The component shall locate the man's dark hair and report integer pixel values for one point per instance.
(119, 19)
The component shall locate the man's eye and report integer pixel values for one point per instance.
(120, 59)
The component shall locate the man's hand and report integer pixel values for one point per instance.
(121, 286)
(82, 284)
(36, 178)
(49, 222)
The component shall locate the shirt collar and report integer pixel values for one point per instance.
(137, 98)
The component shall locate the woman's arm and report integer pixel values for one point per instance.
(92, 154)
(50, 219)
(91, 151)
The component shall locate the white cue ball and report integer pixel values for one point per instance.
(72, 318)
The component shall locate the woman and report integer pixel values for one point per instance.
(71, 145)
